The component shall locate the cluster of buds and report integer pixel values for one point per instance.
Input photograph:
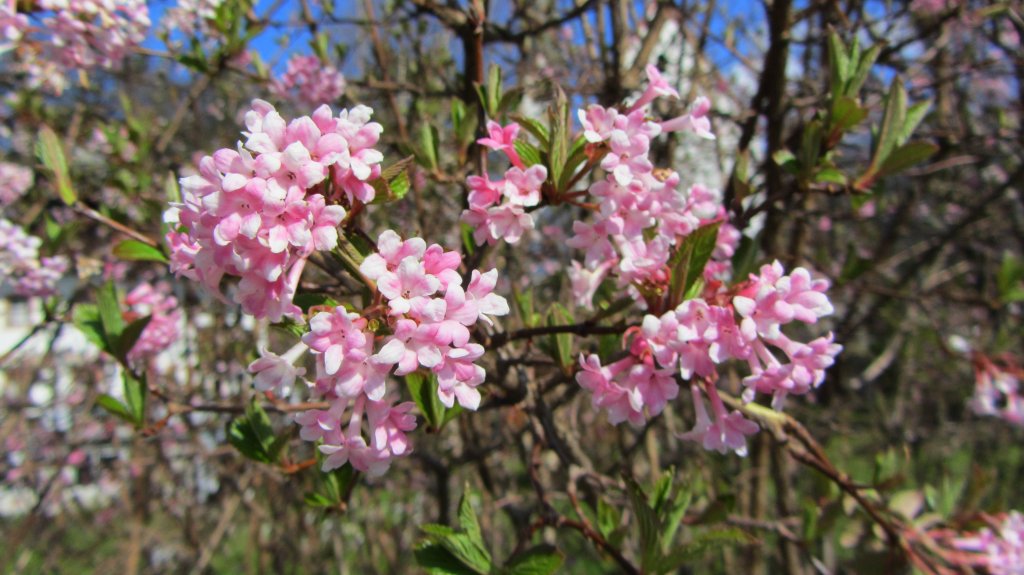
(308, 81)
(15, 180)
(423, 318)
(164, 326)
(997, 390)
(999, 549)
(259, 212)
(497, 209)
(22, 269)
(75, 35)
(743, 324)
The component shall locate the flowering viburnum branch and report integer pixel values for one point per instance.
(260, 211)
(669, 247)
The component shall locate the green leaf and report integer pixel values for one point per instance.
(51, 153)
(528, 153)
(846, 113)
(830, 176)
(524, 303)
(915, 115)
(86, 318)
(784, 158)
(839, 64)
(608, 518)
(308, 300)
(424, 393)
(110, 315)
(864, 63)
(136, 251)
(701, 546)
(810, 146)
(893, 119)
(649, 525)
(494, 90)
(1008, 279)
(558, 151)
(561, 342)
(745, 258)
(577, 156)
(427, 156)
(135, 396)
(510, 99)
(319, 44)
(539, 560)
(462, 123)
(393, 183)
(315, 499)
(339, 482)
(115, 407)
(252, 434)
(437, 560)
(290, 326)
(688, 261)
(905, 156)
(131, 334)
(462, 547)
(535, 128)
(467, 518)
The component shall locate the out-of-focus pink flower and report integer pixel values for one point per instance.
(15, 180)
(164, 325)
(309, 82)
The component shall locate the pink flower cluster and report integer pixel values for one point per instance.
(164, 326)
(997, 390)
(642, 213)
(15, 180)
(693, 339)
(259, 211)
(191, 16)
(497, 209)
(95, 33)
(12, 25)
(309, 82)
(427, 314)
(21, 268)
(1000, 550)
(76, 35)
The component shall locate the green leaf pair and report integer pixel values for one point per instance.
(448, 551)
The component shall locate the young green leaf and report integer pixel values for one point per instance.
(528, 153)
(135, 396)
(424, 392)
(115, 407)
(539, 560)
(688, 261)
(136, 251)
(110, 315)
(51, 153)
(905, 156)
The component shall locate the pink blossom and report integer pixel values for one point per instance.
(256, 212)
(309, 82)
(696, 121)
(22, 268)
(728, 431)
(657, 86)
(502, 139)
(586, 281)
(522, 187)
(164, 327)
(1000, 550)
(276, 372)
(15, 180)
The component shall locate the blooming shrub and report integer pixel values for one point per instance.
(428, 285)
